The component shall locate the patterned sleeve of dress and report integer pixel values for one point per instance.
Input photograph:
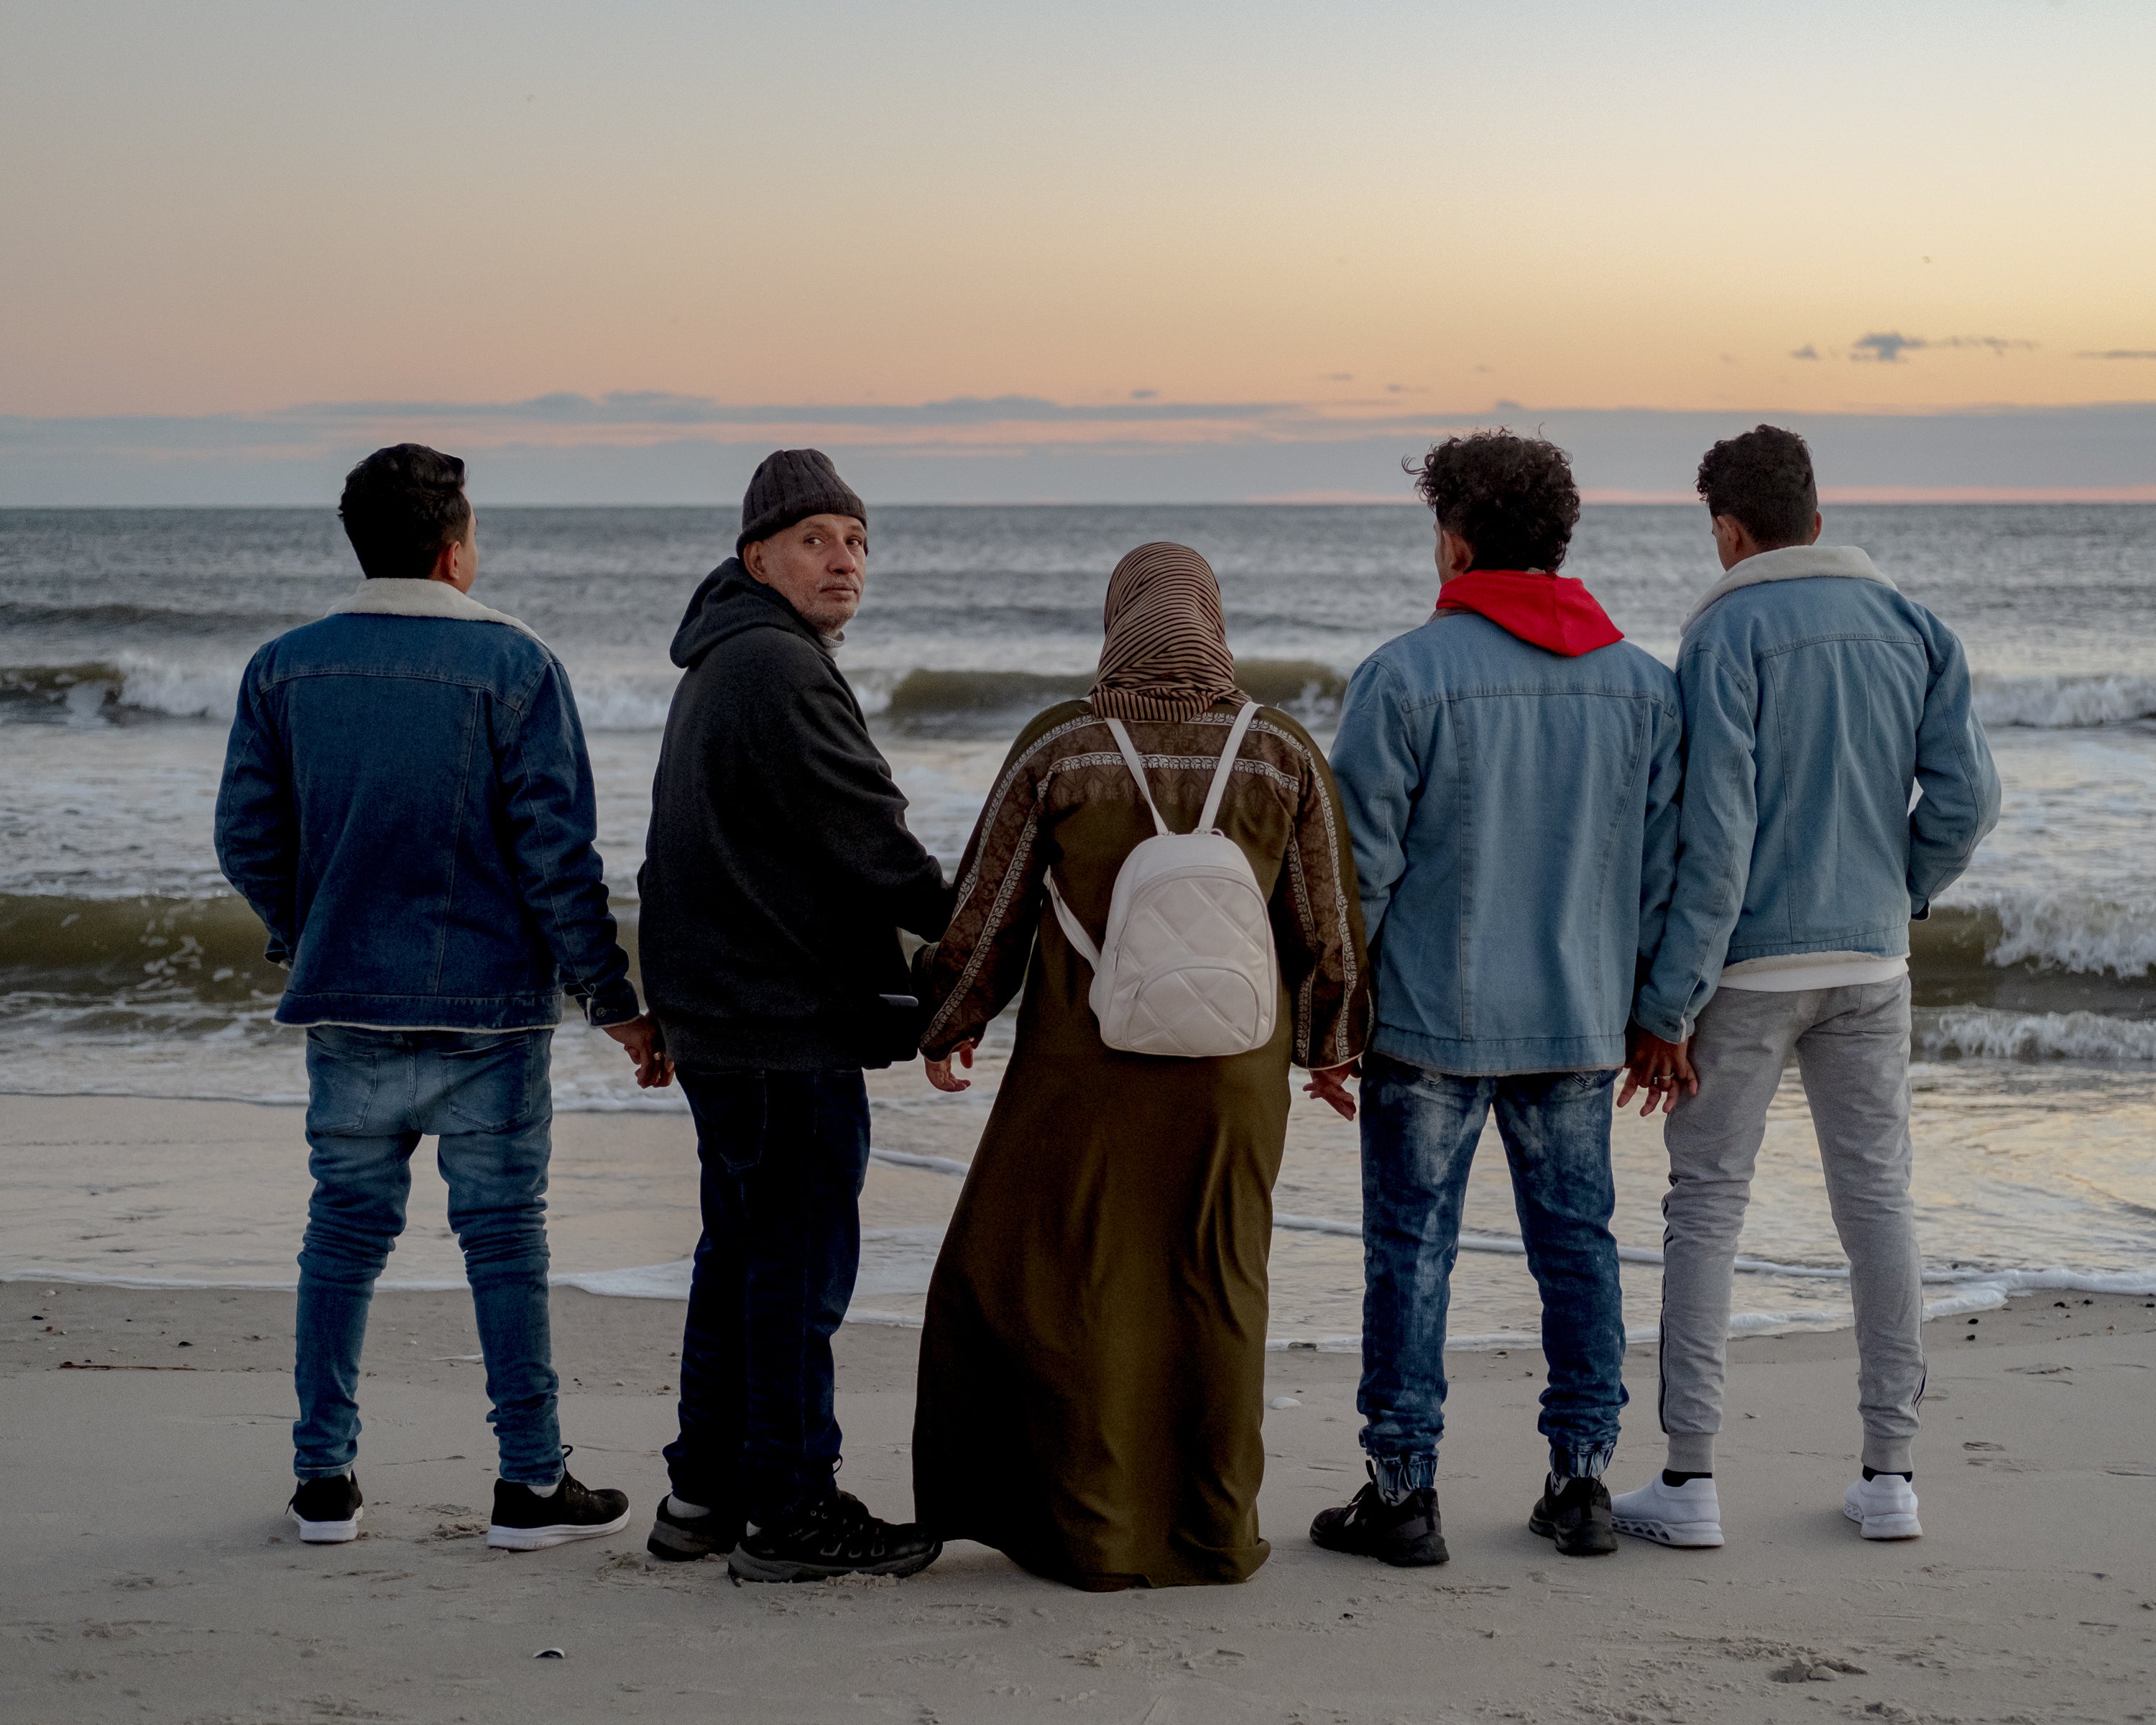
(970, 974)
(1317, 924)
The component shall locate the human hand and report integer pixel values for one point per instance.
(1329, 1085)
(1663, 1070)
(639, 1035)
(939, 1071)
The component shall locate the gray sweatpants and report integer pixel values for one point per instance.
(1852, 1050)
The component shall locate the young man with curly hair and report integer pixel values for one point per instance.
(1510, 771)
(1817, 699)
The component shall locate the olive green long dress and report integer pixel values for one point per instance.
(1092, 1368)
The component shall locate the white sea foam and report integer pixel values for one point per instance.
(176, 690)
(2063, 703)
(1981, 1033)
(2073, 927)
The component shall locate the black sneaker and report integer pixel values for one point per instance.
(683, 1539)
(1408, 1535)
(835, 1536)
(526, 1520)
(1577, 1516)
(327, 1510)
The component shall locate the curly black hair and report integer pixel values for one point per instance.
(1511, 498)
(401, 506)
(1764, 480)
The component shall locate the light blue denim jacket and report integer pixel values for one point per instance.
(1514, 815)
(1816, 697)
(409, 806)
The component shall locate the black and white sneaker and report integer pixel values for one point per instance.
(526, 1520)
(834, 1536)
(1408, 1535)
(327, 1511)
(1576, 1514)
(683, 1539)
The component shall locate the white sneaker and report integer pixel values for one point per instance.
(1690, 1514)
(1885, 1508)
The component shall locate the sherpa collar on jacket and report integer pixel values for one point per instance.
(397, 596)
(1790, 563)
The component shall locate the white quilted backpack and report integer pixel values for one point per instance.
(1187, 967)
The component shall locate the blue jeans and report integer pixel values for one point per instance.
(370, 1096)
(783, 1156)
(1420, 1131)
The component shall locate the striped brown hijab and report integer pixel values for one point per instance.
(1166, 655)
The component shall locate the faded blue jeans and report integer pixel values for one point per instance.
(372, 1095)
(1419, 1130)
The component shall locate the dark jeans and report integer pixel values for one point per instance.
(783, 1155)
(1420, 1131)
(372, 1095)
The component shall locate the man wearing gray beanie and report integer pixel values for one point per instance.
(776, 876)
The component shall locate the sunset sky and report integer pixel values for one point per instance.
(619, 250)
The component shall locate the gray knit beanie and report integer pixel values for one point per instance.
(790, 485)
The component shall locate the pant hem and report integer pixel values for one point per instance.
(1889, 1455)
(1692, 1452)
(1581, 1461)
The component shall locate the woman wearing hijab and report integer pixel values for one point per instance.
(1092, 1368)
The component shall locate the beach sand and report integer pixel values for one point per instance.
(148, 1572)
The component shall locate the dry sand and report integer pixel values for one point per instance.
(147, 1572)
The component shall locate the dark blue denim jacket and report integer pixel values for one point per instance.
(409, 806)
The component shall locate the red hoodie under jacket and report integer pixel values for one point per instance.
(1554, 611)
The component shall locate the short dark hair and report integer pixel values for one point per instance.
(1511, 498)
(401, 506)
(1763, 481)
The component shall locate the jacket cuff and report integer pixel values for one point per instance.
(1668, 1030)
(614, 1004)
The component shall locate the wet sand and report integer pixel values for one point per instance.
(147, 1573)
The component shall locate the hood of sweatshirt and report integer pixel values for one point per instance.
(729, 602)
(1552, 612)
(1790, 563)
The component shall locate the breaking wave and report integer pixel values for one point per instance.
(129, 685)
(140, 686)
(2072, 931)
(1985, 1033)
(2065, 703)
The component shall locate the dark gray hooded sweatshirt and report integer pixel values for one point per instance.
(778, 870)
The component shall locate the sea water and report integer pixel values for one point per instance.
(128, 969)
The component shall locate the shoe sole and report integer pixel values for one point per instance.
(1424, 1553)
(1884, 1527)
(326, 1533)
(1547, 1530)
(501, 1538)
(744, 1565)
(680, 1553)
(1690, 1536)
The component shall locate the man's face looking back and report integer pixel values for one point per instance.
(820, 566)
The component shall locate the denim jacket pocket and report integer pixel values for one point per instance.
(342, 1073)
(495, 1083)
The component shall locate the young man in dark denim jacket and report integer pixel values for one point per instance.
(408, 806)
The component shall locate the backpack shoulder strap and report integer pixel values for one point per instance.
(1226, 769)
(1073, 931)
(1136, 764)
